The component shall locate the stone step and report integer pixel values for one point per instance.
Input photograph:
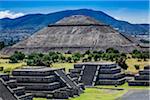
(75, 79)
(139, 83)
(19, 91)
(67, 79)
(108, 67)
(27, 96)
(111, 82)
(142, 77)
(144, 72)
(110, 71)
(44, 93)
(32, 79)
(88, 75)
(111, 76)
(40, 86)
(5, 77)
(74, 75)
(11, 83)
(77, 70)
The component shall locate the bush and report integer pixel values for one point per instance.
(16, 57)
(69, 59)
(137, 67)
(13, 59)
(122, 63)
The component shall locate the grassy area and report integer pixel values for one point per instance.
(125, 86)
(104, 92)
(10, 66)
(131, 62)
(67, 66)
(99, 94)
(39, 99)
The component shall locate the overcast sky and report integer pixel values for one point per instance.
(133, 11)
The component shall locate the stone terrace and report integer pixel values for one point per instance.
(141, 79)
(98, 74)
(46, 82)
(10, 91)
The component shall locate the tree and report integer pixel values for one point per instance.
(87, 52)
(135, 51)
(137, 67)
(13, 59)
(69, 59)
(76, 56)
(84, 60)
(89, 57)
(122, 63)
(17, 56)
(97, 57)
(75, 59)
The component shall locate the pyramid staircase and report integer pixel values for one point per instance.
(89, 75)
(10, 91)
(69, 82)
(98, 74)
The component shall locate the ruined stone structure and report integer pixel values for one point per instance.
(98, 74)
(75, 33)
(141, 79)
(47, 82)
(10, 91)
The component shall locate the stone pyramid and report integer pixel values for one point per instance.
(74, 33)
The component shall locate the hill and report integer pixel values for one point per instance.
(14, 30)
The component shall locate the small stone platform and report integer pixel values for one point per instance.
(91, 74)
(141, 79)
(10, 91)
(47, 82)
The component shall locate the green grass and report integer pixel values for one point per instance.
(39, 99)
(131, 62)
(125, 86)
(100, 94)
(10, 66)
(104, 92)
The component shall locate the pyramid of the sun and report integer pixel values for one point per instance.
(75, 33)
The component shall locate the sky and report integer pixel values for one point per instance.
(133, 11)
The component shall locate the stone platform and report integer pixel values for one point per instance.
(10, 91)
(98, 73)
(47, 82)
(141, 79)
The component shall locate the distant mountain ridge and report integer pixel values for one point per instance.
(24, 26)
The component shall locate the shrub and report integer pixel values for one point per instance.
(17, 56)
(137, 67)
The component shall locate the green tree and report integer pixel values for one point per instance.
(69, 59)
(13, 59)
(16, 57)
(87, 52)
(137, 67)
(122, 63)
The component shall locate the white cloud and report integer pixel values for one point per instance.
(9, 14)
